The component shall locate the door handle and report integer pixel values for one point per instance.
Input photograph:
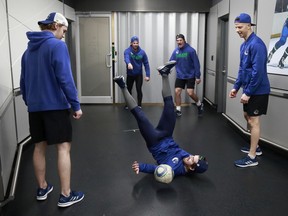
(107, 60)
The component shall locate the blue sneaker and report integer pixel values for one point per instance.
(74, 197)
(43, 193)
(166, 68)
(120, 81)
(246, 150)
(246, 162)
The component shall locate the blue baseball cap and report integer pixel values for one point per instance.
(202, 165)
(244, 18)
(54, 17)
(134, 38)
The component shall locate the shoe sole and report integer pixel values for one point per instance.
(67, 204)
(44, 197)
(247, 165)
(257, 153)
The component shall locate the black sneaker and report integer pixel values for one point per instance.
(73, 198)
(178, 113)
(120, 81)
(200, 109)
(166, 68)
(43, 193)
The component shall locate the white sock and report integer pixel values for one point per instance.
(198, 103)
(178, 108)
(252, 157)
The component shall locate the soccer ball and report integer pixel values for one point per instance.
(164, 173)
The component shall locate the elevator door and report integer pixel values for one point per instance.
(221, 76)
(94, 68)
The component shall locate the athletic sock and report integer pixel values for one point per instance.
(198, 103)
(178, 108)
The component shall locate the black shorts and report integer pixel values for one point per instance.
(257, 105)
(52, 126)
(181, 83)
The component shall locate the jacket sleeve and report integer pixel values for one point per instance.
(127, 56)
(64, 76)
(196, 63)
(146, 64)
(147, 168)
(258, 64)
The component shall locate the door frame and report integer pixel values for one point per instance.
(222, 64)
(93, 99)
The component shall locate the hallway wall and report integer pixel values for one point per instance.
(262, 13)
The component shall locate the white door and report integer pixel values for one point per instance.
(94, 60)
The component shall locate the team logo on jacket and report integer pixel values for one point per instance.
(246, 52)
(175, 160)
(256, 112)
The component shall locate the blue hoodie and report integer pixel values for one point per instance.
(137, 59)
(252, 75)
(188, 65)
(166, 152)
(46, 81)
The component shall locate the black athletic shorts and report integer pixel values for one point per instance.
(181, 83)
(257, 105)
(52, 126)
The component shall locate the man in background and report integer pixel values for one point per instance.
(135, 58)
(187, 73)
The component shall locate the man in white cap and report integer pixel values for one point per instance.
(253, 79)
(48, 90)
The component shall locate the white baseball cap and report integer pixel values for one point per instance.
(54, 17)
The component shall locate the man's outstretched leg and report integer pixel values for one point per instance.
(167, 121)
(164, 72)
(130, 102)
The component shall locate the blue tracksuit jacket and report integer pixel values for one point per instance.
(252, 75)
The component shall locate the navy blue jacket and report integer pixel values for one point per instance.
(252, 75)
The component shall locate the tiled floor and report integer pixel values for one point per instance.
(106, 142)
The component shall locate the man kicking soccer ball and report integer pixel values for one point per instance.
(159, 140)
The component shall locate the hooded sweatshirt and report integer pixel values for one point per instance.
(46, 81)
(188, 65)
(137, 58)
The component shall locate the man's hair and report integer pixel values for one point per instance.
(180, 36)
(51, 26)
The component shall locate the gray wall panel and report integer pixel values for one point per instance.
(8, 144)
(157, 33)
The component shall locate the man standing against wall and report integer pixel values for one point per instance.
(48, 89)
(253, 78)
(135, 58)
(187, 73)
